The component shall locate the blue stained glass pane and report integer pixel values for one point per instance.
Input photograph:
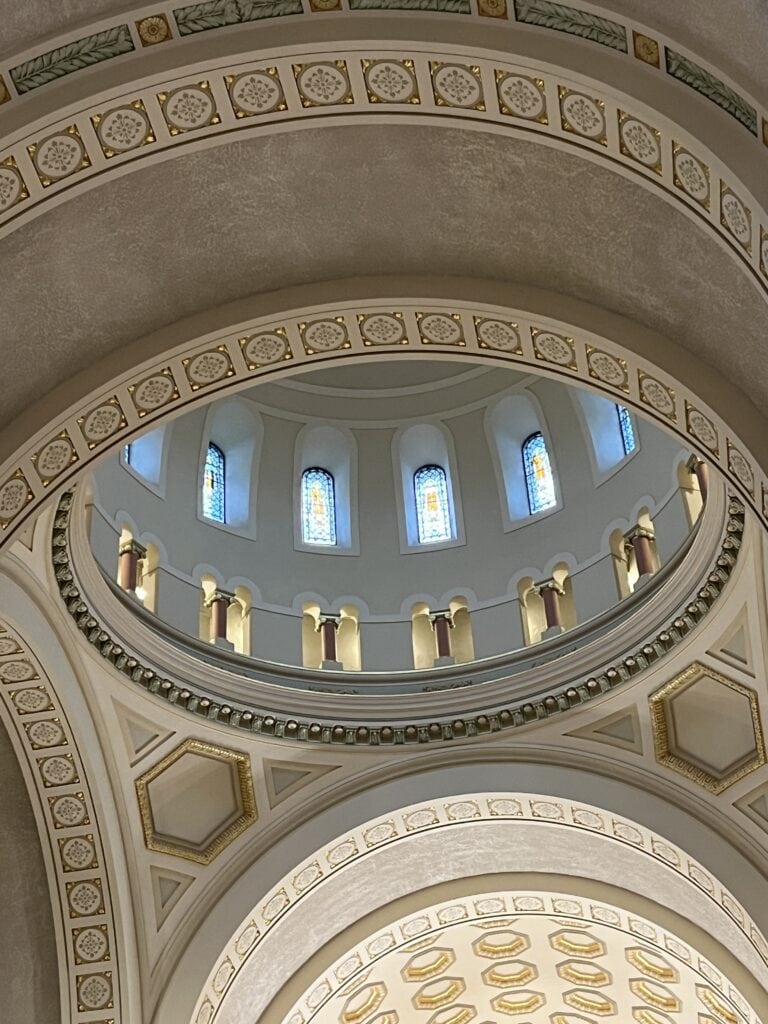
(627, 430)
(213, 485)
(318, 507)
(539, 481)
(127, 454)
(433, 511)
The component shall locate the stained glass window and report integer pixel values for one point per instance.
(318, 507)
(213, 485)
(626, 428)
(539, 481)
(127, 454)
(433, 511)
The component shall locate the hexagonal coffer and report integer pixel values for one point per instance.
(196, 801)
(707, 727)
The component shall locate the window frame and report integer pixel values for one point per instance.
(537, 435)
(447, 513)
(330, 482)
(212, 446)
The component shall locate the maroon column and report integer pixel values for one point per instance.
(551, 592)
(640, 540)
(219, 602)
(328, 627)
(128, 564)
(442, 625)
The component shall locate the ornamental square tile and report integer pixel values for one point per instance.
(102, 422)
(59, 155)
(68, 811)
(323, 84)
(492, 8)
(5, 95)
(123, 129)
(15, 495)
(31, 700)
(154, 392)
(735, 217)
(85, 897)
(457, 85)
(91, 944)
(94, 992)
(78, 853)
(702, 428)
(646, 49)
(208, 367)
(521, 96)
(441, 329)
(499, 335)
(45, 734)
(54, 457)
(327, 335)
(13, 188)
(686, 717)
(255, 92)
(8, 646)
(608, 369)
(59, 770)
(582, 115)
(246, 938)
(740, 468)
(382, 329)
(265, 348)
(222, 775)
(423, 817)
(691, 176)
(380, 833)
(562, 18)
(390, 81)
(657, 395)
(554, 348)
(639, 141)
(153, 29)
(189, 108)
(17, 671)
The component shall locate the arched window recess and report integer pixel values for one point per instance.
(433, 510)
(318, 507)
(539, 481)
(214, 497)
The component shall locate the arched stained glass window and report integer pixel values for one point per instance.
(539, 481)
(213, 485)
(318, 507)
(433, 512)
(626, 428)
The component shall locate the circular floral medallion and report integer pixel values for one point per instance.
(58, 771)
(583, 115)
(85, 898)
(8, 646)
(123, 129)
(205, 1014)
(54, 457)
(101, 423)
(325, 335)
(46, 734)
(208, 367)
(91, 945)
(498, 335)
(68, 811)
(736, 218)
(246, 939)
(456, 86)
(153, 30)
(13, 497)
(256, 92)
(440, 329)
(382, 329)
(323, 84)
(59, 156)
(78, 853)
(16, 672)
(153, 392)
(261, 349)
(390, 82)
(741, 469)
(607, 368)
(640, 142)
(29, 701)
(11, 187)
(522, 97)
(657, 396)
(94, 991)
(189, 108)
(702, 429)
(222, 976)
(553, 349)
(691, 175)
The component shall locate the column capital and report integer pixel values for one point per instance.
(219, 595)
(132, 547)
(549, 585)
(694, 461)
(639, 531)
(446, 615)
(323, 618)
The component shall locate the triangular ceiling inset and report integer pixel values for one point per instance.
(167, 889)
(735, 645)
(139, 734)
(284, 778)
(621, 729)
